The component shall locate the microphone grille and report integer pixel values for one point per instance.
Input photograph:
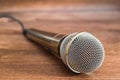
(82, 52)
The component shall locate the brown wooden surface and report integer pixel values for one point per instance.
(21, 59)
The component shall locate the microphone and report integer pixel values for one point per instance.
(80, 52)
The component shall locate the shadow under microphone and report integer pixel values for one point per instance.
(80, 52)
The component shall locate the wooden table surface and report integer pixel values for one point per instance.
(21, 59)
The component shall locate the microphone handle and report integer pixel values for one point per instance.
(50, 41)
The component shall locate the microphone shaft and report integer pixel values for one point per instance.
(48, 40)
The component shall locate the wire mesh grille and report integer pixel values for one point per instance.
(85, 53)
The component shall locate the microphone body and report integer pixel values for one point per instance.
(50, 41)
(80, 52)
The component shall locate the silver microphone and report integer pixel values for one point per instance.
(80, 52)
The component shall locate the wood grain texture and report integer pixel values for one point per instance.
(21, 59)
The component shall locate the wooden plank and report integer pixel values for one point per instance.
(21, 59)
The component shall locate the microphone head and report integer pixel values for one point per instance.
(82, 52)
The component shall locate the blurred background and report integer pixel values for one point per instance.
(62, 11)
